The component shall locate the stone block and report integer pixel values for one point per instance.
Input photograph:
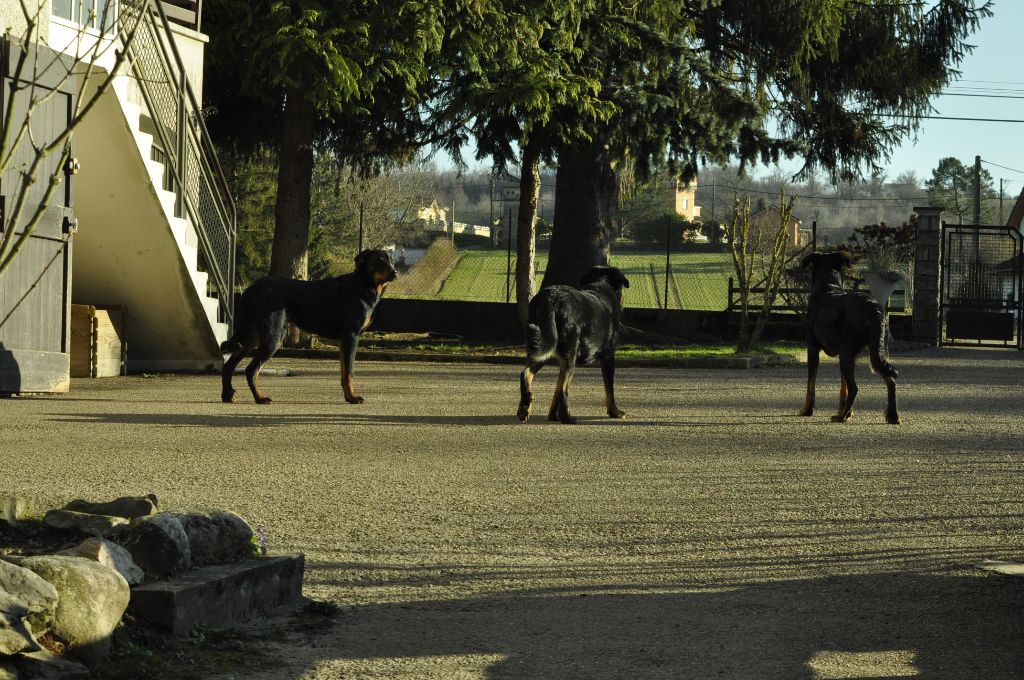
(220, 596)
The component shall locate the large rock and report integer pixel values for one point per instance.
(216, 536)
(109, 554)
(159, 545)
(128, 507)
(92, 600)
(93, 525)
(42, 665)
(28, 604)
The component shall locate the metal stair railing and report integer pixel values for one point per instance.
(198, 182)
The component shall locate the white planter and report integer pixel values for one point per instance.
(881, 285)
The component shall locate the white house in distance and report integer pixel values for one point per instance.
(155, 222)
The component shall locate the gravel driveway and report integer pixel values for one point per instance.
(712, 534)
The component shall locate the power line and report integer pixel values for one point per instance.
(822, 198)
(979, 120)
(996, 165)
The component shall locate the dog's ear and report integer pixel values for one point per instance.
(594, 275)
(809, 259)
(361, 259)
(845, 257)
(622, 280)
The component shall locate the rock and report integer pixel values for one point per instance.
(128, 507)
(27, 605)
(14, 507)
(216, 536)
(109, 554)
(92, 600)
(159, 545)
(43, 665)
(95, 525)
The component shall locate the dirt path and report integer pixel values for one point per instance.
(713, 534)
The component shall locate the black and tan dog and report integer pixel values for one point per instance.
(580, 325)
(844, 323)
(333, 308)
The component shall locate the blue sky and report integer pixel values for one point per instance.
(993, 68)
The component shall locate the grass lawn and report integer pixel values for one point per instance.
(699, 280)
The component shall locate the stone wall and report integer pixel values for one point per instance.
(927, 276)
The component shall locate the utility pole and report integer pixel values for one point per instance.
(714, 188)
(1001, 219)
(453, 221)
(977, 190)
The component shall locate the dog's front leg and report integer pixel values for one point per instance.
(608, 374)
(346, 358)
(813, 356)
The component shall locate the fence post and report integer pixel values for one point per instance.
(360, 226)
(508, 266)
(927, 275)
(668, 254)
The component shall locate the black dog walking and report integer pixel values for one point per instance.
(843, 323)
(333, 308)
(579, 325)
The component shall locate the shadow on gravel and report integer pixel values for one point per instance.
(874, 626)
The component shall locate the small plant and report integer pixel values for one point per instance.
(884, 260)
(258, 542)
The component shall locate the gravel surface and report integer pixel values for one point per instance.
(712, 534)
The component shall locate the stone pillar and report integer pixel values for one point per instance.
(927, 276)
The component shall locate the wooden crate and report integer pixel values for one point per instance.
(98, 347)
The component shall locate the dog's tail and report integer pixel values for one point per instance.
(541, 333)
(877, 347)
(238, 328)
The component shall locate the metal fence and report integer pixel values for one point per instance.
(691, 276)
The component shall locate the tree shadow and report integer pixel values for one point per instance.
(870, 626)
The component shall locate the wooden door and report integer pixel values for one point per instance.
(35, 291)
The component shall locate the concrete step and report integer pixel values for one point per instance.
(220, 596)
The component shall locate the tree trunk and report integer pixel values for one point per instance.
(290, 252)
(584, 196)
(289, 256)
(526, 230)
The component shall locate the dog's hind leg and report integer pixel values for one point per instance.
(270, 337)
(252, 374)
(881, 365)
(525, 391)
(848, 390)
(227, 392)
(608, 375)
(556, 400)
(563, 406)
(813, 356)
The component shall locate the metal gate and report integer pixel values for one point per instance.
(980, 300)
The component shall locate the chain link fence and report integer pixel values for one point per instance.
(693, 276)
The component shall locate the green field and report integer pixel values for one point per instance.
(698, 280)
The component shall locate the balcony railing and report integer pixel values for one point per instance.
(198, 182)
(187, 13)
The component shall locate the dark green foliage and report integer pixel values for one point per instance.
(951, 188)
(672, 227)
(882, 237)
